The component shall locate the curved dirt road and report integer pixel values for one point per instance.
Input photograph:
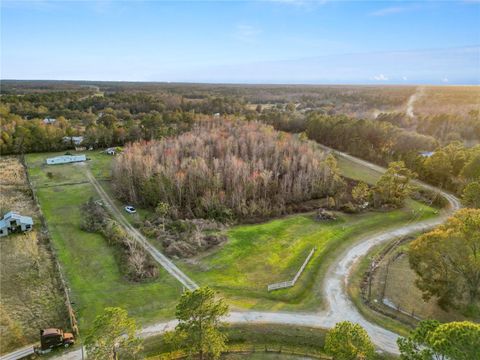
(338, 305)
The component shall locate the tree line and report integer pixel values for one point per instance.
(454, 166)
(443, 127)
(446, 261)
(19, 135)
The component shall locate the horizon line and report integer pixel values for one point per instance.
(252, 83)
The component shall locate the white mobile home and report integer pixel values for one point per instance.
(65, 159)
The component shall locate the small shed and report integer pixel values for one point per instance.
(13, 222)
(65, 159)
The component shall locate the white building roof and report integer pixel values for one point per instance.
(63, 159)
(13, 215)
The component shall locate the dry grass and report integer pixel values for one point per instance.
(29, 288)
(15, 194)
(400, 289)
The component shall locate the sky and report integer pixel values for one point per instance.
(277, 41)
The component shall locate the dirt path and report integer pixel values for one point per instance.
(166, 263)
(339, 306)
(419, 91)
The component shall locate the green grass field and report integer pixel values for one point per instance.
(90, 264)
(260, 254)
(356, 171)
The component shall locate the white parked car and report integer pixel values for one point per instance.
(130, 209)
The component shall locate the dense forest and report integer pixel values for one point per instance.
(223, 167)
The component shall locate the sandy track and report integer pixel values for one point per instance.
(165, 262)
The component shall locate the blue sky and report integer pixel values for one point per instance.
(283, 41)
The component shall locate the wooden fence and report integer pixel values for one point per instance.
(290, 283)
(65, 288)
(384, 307)
(250, 349)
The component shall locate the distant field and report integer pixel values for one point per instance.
(31, 296)
(90, 264)
(459, 100)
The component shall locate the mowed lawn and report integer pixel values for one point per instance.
(257, 255)
(90, 264)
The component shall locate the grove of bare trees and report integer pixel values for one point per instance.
(224, 168)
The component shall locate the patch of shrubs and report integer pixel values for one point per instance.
(185, 238)
(137, 264)
(429, 197)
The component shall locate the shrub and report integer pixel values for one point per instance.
(136, 262)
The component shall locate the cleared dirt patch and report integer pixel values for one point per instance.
(30, 293)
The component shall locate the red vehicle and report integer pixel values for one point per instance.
(53, 338)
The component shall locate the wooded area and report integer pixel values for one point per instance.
(222, 169)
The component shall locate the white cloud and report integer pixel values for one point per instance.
(380, 77)
(404, 78)
(393, 10)
(445, 80)
(246, 33)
